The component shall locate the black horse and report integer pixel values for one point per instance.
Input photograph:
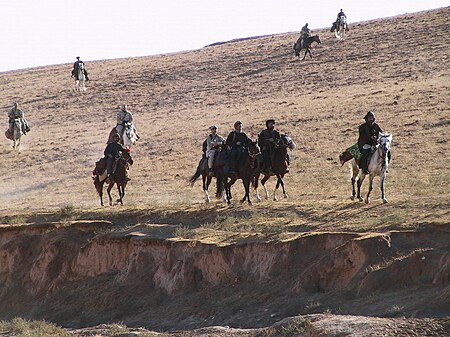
(245, 170)
(299, 46)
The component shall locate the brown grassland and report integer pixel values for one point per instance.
(397, 67)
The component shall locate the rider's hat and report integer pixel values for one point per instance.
(237, 123)
(270, 121)
(77, 57)
(370, 113)
(213, 127)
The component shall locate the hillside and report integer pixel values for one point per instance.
(397, 67)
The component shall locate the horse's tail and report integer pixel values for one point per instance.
(196, 175)
(97, 184)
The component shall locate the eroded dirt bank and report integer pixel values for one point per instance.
(76, 276)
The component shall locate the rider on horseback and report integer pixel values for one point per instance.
(267, 140)
(368, 137)
(304, 34)
(112, 152)
(238, 142)
(341, 15)
(124, 118)
(16, 113)
(213, 143)
(76, 66)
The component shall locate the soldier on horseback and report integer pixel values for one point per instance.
(112, 154)
(78, 63)
(267, 140)
(368, 137)
(341, 16)
(16, 113)
(304, 34)
(124, 119)
(238, 142)
(213, 144)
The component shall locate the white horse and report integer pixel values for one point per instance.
(378, 166)
(341, 27)
(80, 81)
(17, 133)
(130, 136)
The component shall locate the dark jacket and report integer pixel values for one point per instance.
(368, 134)
(113, 149)
(264, 136)
(237, 139)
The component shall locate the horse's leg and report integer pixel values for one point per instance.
(371, 176)
(382, 178)
(206, 181)
(119, 189)
(246, 183)
(282, 186)
(263, 183)
(256, 187)
(304, 56)
(360, 181)
(355, 172)
(100, 190)
(108, 190)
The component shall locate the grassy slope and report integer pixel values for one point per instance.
(176, 97)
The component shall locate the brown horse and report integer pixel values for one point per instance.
(279, 167)
(245, 170)
(298, 46)
(118, 177)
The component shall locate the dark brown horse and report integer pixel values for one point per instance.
(298, 46)
(279, 167)
(203, 171)
(118, 177)
(245, 170)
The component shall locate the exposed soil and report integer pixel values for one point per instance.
(166, 261)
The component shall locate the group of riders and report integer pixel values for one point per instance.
(237, 143)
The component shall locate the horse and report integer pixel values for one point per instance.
(244, 170)
(81, 77)
(341, 27)
(16, 133)
(298, 46)
(378, 166)
(202, 170)
(128, 138)
(118, 177)
(279, 167)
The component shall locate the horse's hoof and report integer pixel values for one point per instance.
(207, 200)
(385, 201)
(275, 199)
(360, 199)
(352, 197)
(367, 200)
(258, 199)
(286, 196)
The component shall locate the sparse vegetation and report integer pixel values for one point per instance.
(20, 327)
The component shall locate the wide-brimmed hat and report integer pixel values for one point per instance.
(213, 127)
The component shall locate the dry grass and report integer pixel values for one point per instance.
(19, 327)
(175, 97)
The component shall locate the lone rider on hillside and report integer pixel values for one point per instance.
(16, 113)
(112, 152)
(76, 66)
(368, 137)
(266, 141)
(238, 142)
(340, 15)
(213, 143)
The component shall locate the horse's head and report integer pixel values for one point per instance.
(384, 142)
(343, 20)
(317, 39)
(288, 142)
(253, 148)
(126, 156)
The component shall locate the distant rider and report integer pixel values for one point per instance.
(304, 34)
(76, 66)
(267, 140)
(16, 113)
(238, 142)
(124, 117)
(213, 143)
(340, 15)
